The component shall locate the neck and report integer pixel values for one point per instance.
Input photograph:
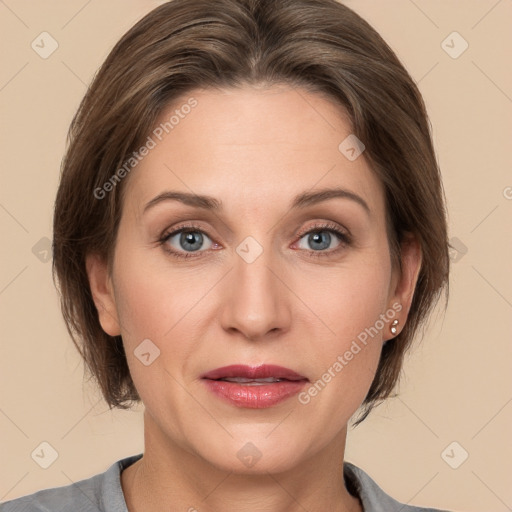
(170, 477)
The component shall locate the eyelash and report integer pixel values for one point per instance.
(344, 238)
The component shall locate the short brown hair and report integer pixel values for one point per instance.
(320, 45)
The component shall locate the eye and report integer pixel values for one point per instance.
(188, 241)
(320, 238)
(185, 241)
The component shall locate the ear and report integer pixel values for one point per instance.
(404, 283)
(102, 291)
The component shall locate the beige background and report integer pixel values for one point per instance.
(457, 384)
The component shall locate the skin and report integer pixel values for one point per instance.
(254, 149)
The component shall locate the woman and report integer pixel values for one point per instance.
(248, 232)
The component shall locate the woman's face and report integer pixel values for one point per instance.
(248, 285)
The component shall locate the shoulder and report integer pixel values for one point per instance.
(87, 495)
(83, 495)
(373, 498)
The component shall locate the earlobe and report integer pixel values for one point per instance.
(102, 291)
(406, 282)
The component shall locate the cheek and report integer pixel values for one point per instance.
(347, 300)
(348, 304)
(152, 307)
(151, 298)
(162, 303)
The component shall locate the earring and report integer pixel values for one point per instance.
(393, 326)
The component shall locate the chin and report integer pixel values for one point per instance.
(254, 454)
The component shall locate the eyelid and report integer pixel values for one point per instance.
(327, 226)
(343, 235)
(190, 226)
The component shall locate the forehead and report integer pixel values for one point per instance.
(251, 146)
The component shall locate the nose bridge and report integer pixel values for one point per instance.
(255, 299)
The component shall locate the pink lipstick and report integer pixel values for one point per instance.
(254, 387)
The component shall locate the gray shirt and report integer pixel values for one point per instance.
(103, 493)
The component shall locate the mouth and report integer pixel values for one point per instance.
(254, 387)
(243, 374)
(251, 382)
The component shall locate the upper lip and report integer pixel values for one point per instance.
(253, 372)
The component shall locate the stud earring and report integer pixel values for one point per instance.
(393, 326)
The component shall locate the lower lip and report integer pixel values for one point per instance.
(256, 396)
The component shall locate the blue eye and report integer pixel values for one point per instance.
(319, 239)
(188, 240)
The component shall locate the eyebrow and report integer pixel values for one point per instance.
(300, 201)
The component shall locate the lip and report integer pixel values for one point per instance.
(262, 371)
(254, 396)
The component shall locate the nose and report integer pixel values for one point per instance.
(256, 299)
